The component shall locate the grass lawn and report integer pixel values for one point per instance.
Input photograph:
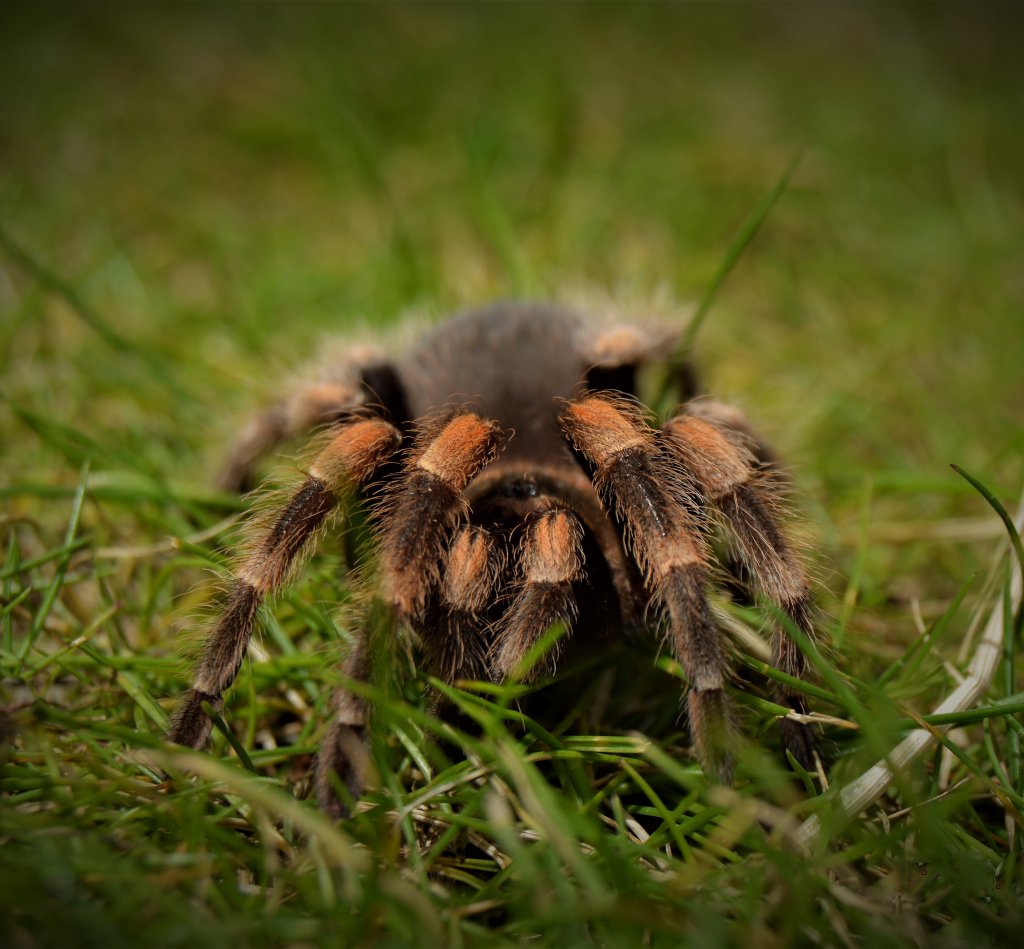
(194, 198)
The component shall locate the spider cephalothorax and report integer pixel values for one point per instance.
(519, 484)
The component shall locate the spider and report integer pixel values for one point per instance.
(515, 482)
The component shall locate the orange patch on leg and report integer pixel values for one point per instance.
(460, 449)
(552, 553)
(354, 454)
(718, 463)
(602, 430)
(470, 573)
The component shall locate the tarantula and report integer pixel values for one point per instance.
(515, 482)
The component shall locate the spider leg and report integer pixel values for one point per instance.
(417, 516)
(452, 634)
(730, 420)
(551, 562)
(361, 378)
(428, 502)
(453, 630)
(618, 351)
(349, 460)
(344, 757)
(301, 412)
(649, 496)
(729, 477)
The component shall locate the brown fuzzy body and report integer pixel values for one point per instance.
(532, 491)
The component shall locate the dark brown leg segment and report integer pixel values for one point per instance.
(347, 461)
(344, 759)
(648, 496)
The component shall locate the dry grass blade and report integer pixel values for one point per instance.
(870, 786)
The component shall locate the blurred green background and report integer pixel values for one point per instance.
(224, 185)
(193, 197)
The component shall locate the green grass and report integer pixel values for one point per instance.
(194, 197)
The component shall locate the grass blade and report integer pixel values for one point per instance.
(747, 232)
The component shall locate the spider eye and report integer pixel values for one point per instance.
(520, 488)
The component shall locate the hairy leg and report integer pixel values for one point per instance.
(299, 414)
(363, 378)
(418, 515)
(454, 631)
(427, 503)
(551, 562)
(349, 460)
(747, 496)
(649, 497)
(344, 758)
